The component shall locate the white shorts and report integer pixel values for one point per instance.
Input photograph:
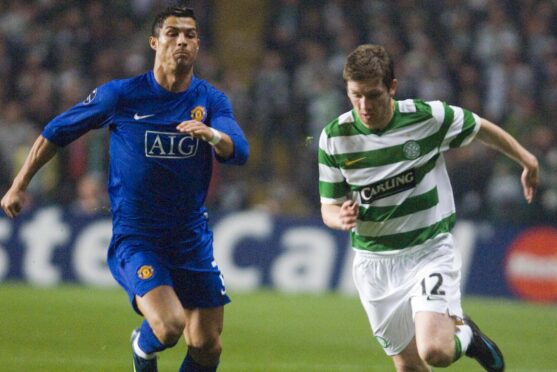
(394, 286)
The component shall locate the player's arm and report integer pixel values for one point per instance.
(41, 152)
(499, 139)
(340, 216)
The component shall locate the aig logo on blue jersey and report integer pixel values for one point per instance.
(170, 145)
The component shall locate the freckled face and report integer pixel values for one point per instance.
(372, 101)
(177, 43)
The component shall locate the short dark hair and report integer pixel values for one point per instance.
(369, 61)
(178, 10)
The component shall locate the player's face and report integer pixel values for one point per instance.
(372, 101)
(178, 42)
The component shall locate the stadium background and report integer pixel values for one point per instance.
(282, 71)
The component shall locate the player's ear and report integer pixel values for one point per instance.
(392, 89)
(153, 42)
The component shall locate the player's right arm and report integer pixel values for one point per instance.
(41, 152)
(340, 216)
(95, 112)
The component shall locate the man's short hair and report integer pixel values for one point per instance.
(178, 10)
(369, 61)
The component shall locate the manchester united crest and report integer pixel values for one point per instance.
(199, 113)
(145, 272)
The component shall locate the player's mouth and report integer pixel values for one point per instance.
(366, 116)
(182, 53)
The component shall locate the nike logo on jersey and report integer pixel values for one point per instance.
(348, 163)
(139, 117)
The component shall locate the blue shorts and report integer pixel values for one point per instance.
(142, 264)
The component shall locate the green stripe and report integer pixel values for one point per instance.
(333, 190)
(447, 122)
(384, 156)
(402, 240)
(457, 349)
(411, 205)
(467, 129)
(326, 159)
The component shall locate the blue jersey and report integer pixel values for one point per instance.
(158, 177)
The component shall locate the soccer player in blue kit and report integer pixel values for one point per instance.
(166, 125)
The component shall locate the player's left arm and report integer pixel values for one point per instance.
(497, 138)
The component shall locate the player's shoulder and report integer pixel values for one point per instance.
(130, 84)
(341, 125)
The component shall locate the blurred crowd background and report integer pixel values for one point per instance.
(497, 58)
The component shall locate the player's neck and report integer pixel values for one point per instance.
(173, 79)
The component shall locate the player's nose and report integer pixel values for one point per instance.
(182, 39)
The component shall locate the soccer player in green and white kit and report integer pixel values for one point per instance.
(383, 178)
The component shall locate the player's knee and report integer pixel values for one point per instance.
(169, 330)
(403, 366)
(435, 355)
(210, 347)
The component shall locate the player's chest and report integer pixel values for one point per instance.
(154, 112)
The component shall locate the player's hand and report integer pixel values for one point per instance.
(196, 129)
(12, 203)
(530, 179)
(348, 215)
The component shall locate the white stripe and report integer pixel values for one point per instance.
(406, 106)
(346, 118)
(437, 110)
(330, 174)
(324, 142)
(333, 201)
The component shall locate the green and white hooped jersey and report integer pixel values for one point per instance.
(397, 175)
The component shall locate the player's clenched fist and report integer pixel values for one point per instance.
(197, 129)
(12, 202)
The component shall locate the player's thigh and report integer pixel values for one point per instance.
(161, 307)
(409, 359)
(434, 331)
(204, 326)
